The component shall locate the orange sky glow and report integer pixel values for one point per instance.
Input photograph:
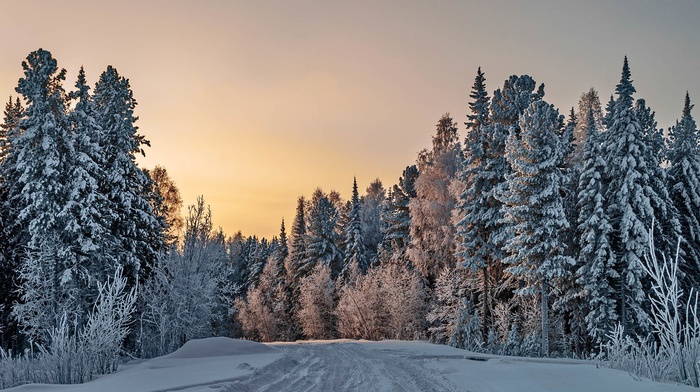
(252, 104)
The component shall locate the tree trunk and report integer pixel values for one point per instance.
(545, 318)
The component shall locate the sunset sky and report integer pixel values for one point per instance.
(254, 103)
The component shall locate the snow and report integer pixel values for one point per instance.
(227, 365)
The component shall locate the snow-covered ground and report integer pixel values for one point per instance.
(227, 365)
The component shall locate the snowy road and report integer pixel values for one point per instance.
(229, 365)
(342, 366)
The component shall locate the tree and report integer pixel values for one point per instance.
(166, 206)
(185, 298)
(397, 217)
(355, 254)
(321, 243)
(39, 164)
(10, 234)
(372, 204)
(629, 205)
(317, 302)
(684, 187)
(128, 188)
(432, 232)
(533, 206)
(589, 103)
(477, 248)
(596, 260)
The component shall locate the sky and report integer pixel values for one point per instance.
(255, 103)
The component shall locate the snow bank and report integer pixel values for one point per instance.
(219, 347)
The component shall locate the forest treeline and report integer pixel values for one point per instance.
(527, 237)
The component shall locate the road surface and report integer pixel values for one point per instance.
(342, 366)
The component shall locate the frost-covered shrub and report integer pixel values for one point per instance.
(317, 301)
(77, 356)
(387, 303)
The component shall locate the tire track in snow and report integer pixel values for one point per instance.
(341, 367)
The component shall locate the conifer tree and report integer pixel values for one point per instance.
(40, 154)
(127, 187)
(684, 186)
(355, 253)
(297, 249)
(596, 261)
(533, 206)
(477, 250)
(372, 204)
(397, 217)
(321, 245)
(11, 235)
(629, 202)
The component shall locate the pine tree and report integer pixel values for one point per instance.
(40, 154)
(596, 261)
(127, 187)
(629, 202)
(533, 206)
(684, 187)
(355, 253)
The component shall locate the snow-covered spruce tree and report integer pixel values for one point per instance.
(569, 305)
(87, 224)
(432, 232)
(372, 205)
(355, 254)
(533, 207)
(396, 218)
(321, 243)
(629, 202)
(452, 311)
(10, 234)
(684, 187)
(138, 231)
(40, 157)
(665, 213)
(477, 250)
(596, 274)
(297, 250)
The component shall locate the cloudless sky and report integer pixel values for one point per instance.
(254, 103)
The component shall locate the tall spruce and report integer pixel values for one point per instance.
(684, 187)
(533, 208)
(355, 253)
(397, 218)
(596, 274)
(321, 242)
(629, 203)
(127, 187)
(477, 248)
